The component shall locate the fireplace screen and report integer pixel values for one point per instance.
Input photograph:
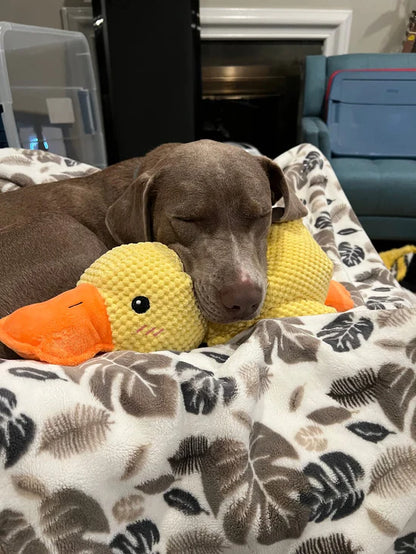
(251, 91)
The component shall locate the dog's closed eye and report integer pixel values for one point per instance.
(254, 215)
(263, 214)
(187, 219)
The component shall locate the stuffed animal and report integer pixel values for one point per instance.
(298, 274)
(138, 297)
(134, 297)
(398, 260)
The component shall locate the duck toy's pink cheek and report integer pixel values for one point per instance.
(148, 330)
(141, 304)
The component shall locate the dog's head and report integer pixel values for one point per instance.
(211, 203)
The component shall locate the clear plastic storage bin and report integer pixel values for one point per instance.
(48, 93)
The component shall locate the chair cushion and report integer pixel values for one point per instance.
(384, 187)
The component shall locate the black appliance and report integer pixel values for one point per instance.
(148, 56)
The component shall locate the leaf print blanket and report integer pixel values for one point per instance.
(297, 437)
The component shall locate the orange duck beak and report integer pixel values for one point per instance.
(65, 330)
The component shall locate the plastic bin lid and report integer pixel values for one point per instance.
(372, 113)
(48, 92)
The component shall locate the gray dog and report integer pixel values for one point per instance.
(208, 201)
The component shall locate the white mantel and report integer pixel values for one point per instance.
(331, 26)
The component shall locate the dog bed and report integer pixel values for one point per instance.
(297, 437)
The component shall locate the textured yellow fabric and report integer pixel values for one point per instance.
(153, 271)
(395, 259)
(298, 275)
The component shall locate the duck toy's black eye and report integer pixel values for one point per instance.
(140, 304)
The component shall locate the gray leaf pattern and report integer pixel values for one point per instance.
(351, 255)
(394, 472)
(346, 333)
(355, 390)
(289, 342)
(74, 432)
(331, 544)
(202, 540)
(16, 535)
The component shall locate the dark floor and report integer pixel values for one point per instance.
(409, 282)
(383, 245)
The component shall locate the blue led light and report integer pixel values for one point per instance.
(33, 142)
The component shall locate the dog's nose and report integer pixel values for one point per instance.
(243, 299)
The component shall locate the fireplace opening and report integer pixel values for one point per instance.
(251, 91)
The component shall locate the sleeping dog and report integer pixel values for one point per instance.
(210, 202)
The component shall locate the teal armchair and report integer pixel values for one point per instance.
(381, 189)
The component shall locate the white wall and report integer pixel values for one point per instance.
(377, 25)
(43, 13)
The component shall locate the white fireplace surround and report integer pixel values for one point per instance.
(333, 27)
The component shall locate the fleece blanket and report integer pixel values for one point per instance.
(296, 437)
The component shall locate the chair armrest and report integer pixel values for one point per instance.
(309, 131)
(315, 131)
(324, 140)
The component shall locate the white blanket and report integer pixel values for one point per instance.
(298, 437)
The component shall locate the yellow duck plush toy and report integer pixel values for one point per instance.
(298, 276)
(138, 297)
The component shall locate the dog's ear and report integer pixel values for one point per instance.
(280, 188)
(129, 218)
